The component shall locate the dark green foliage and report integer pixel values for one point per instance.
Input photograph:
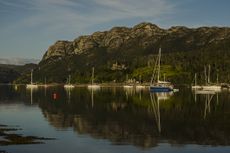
(8, 73)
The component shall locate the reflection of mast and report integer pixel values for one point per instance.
(155, 102)
(129, 92)
(208, 98)
(68, 90)
(140, 97)
(156, 110)
(217, 99)
(92, 98)
(207, 109)
(45, 90)
(195, 95)
(31, 96)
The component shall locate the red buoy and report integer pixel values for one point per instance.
(55, 96)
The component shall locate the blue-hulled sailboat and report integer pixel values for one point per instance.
(157, 85)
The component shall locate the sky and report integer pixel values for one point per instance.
(29, 27)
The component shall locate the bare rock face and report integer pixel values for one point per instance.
(143, 35)
(60, 48)
(113, 39)
(84, 43)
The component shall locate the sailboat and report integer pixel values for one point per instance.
(93, 85)
(195, 86)
(128, 84)
(208, 85)
(140, 86)
(68, 85)
(157, 85)
(45, 84)
(31, 85)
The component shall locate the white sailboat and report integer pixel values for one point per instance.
(210, 86)
(31, 85)
(139, 86)
(93, 85)
(129, 84)
(157, 85)
(44, 85)
(195, 86)
(69, 85)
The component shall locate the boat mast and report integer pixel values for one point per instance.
(209, 70)
(92, 76)
(195, 79)
(205, 75)
(31, 77)
(69, 78)
(159, 64)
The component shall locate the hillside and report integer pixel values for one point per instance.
(130, 52)
(9, 73)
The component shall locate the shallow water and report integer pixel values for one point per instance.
(117, 120)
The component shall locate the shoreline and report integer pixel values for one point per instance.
(146, 85)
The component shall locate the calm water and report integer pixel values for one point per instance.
(114, 120)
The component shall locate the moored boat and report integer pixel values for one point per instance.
(31, 85)
(157, 85)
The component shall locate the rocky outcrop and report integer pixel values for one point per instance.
(60, 48)
(143, 35)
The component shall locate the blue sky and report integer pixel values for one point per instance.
(29, 27)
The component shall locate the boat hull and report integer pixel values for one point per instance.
(160, 89)
(128, 86)
(68, 86)
(94, 86)
(212, 88)
(31, 86)
(196, 87)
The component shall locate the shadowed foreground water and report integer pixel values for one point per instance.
(117, 120)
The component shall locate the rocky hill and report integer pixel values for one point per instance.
(144, 35)
(130, 52)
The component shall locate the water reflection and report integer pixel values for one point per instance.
(143, 119)
(92, 91)
(31, 91)
(208, 98)
(156, 98)
(68, 91)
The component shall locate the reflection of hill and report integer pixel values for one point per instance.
(133, 121)
(112, 117)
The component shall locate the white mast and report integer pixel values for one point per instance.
(69, 78)
(205, 75)
(209, 70)
(195, 79)
(93, 75)
(31, 77)
(159, 66)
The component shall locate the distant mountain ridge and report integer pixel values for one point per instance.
(147, 34)
(185, 51)
(18, 61)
